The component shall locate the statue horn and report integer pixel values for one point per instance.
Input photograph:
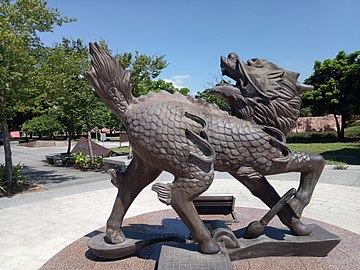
(304, 87)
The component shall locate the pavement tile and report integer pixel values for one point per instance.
(341, 211)
(4, 259)
(18, 262)
(38, 229)
(315, 207)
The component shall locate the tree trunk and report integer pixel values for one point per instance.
(90, 146)
(338, 131)
(69, 142)
(70, 133)
(8, 155)
(343, 125)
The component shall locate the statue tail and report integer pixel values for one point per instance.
(110, 81)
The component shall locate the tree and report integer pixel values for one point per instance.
(20, 23)
(337, 88)
(143, 70)
(212, 98)
(63, 69)
(44, 125)
(107, 119)
(158, 85)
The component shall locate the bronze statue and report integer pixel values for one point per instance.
(190, 139)
(264, 92)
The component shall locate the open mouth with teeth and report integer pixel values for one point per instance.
(251, 76)
(237, 95)
(263, 91)
(236, 69)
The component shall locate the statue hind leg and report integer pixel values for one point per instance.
(180, 195)
(182, 203)
(130, 183)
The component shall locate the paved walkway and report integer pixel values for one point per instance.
(35, 226)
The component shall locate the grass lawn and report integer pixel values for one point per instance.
(338, 153)
(333, 152)
(121, 150)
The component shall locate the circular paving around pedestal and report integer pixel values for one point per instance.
(346, 255)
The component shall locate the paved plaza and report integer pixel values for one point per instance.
(35, 226)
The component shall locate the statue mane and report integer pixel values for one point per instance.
(283, 107)
(264, 92)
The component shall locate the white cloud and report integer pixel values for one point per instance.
(178, 80)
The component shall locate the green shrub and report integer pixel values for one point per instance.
(311, 137)
(97, 162)
(340, 167)
(352, 132)
(82, 162)
(2, 188)
(17, 176)
(79, 160)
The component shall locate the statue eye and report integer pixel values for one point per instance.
(256, 62)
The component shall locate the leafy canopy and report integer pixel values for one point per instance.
(143, 70)
(337, 87)
(21, 48)
(212, 98)
(20, 52)
(44, 124)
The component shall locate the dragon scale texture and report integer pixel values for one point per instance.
(157, 125)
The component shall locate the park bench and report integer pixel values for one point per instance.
(58, 159)
(216, 205)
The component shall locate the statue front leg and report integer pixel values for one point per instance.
(130, 183)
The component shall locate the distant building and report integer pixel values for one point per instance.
(316, 123)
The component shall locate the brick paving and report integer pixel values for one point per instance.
(34, 227)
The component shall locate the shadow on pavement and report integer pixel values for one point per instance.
(35, 176)
(349, 155)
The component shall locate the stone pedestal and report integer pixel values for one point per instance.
(344, 256)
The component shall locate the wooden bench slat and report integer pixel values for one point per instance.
(215, 205)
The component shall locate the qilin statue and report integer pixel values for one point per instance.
(191, 139)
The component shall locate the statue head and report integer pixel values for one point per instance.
(263, 91)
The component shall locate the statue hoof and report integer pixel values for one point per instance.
(299, 228)
(254, 230)
(115, 236)
(210, 247)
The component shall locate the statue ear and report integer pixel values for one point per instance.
(292, 75)
(304, 87)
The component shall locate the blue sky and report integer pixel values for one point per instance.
(194, 34)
